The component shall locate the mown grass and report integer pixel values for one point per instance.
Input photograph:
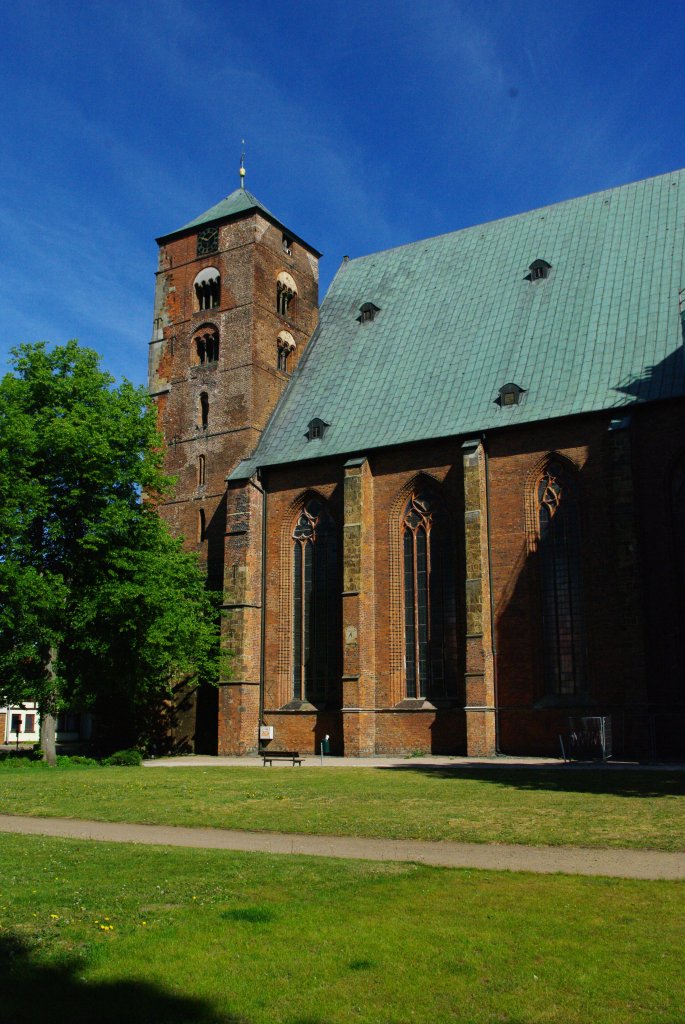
(595, 808)
(110, 933)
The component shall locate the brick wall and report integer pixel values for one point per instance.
(633, 643)
(242, 387)
(634, 601)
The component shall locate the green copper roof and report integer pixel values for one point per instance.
(238, 202)
(459, 318)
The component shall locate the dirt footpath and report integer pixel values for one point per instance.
(650, 864)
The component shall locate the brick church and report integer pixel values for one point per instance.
(446, 508)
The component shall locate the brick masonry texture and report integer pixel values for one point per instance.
(242, 387)
(633, 643)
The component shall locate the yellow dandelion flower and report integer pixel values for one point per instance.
(55, 917)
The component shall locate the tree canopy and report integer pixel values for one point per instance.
(100, 607)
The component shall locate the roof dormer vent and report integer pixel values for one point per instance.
(316, 429)
(510, 394)
(538, 270)
(367, 312)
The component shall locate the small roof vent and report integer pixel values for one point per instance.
(316, 429)
(538, 270)
(367, 312)
(510, 394)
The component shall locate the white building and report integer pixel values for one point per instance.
(20, 724)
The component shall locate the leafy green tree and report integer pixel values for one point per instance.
(99, 605)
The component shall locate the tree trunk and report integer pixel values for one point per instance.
(48, 723)
(48, 719)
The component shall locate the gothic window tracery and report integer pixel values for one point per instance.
(426, 576)
(315, 591)
(559, 549)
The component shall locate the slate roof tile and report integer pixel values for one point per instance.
(459, 318)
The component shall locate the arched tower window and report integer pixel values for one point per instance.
(286, 295)
(206, 345)
(207, 287)
(201, 470)
(315, 594)
(285, 345)
(428, 603)
(201, 525)
(558, 543)
(204, 410)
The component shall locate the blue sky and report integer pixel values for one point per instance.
(367, 125)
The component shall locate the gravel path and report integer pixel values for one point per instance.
(650, 864)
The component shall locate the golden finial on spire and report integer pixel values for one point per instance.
(242, 171)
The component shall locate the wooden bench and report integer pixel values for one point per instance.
(280, 755)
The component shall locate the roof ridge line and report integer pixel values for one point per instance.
(515, 216)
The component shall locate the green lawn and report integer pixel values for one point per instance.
(93, 932)
(540, 806)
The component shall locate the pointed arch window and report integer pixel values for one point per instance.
(201, 526)
(559, 549)
(315, 592)
(201, 470)
(428, 596)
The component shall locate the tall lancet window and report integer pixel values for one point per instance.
(315, 592)
(428, 601)
(561, 582)
(678, 509)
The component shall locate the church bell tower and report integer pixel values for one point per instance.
(236, 301)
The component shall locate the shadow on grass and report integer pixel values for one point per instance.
(605, 779)
(33, 991)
